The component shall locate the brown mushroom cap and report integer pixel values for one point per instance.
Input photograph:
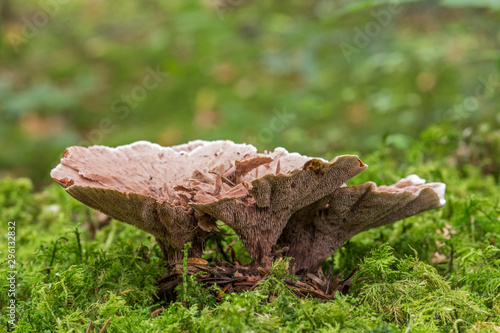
(259, 218)
(177, 193)
(135, 184)
(154, 188)
(315, 232)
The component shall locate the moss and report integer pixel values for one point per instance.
(430, 273)
(274, 283)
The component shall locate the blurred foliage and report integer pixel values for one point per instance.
(413, 86)
(319, 77)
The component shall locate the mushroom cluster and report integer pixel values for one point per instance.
(178, 193)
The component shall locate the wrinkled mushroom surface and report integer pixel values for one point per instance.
(177, 193)
(315, 232)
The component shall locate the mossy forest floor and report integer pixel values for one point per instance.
(435, 272)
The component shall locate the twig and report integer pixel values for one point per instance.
(280, 251)
(184, 272)
(80, 255)
(450, 267)
(156, 312)
(88, 328)
(105, 325)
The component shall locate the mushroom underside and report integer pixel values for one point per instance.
(177, 194)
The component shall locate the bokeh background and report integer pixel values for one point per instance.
(319, 77)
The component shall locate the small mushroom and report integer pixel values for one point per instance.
(315, 232)
(177, 193)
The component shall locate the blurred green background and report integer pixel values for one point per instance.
(318, 77)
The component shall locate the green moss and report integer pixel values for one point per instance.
(433, 272)
(274, 283)
(408, 291)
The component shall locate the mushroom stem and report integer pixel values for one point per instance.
(173, 255)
